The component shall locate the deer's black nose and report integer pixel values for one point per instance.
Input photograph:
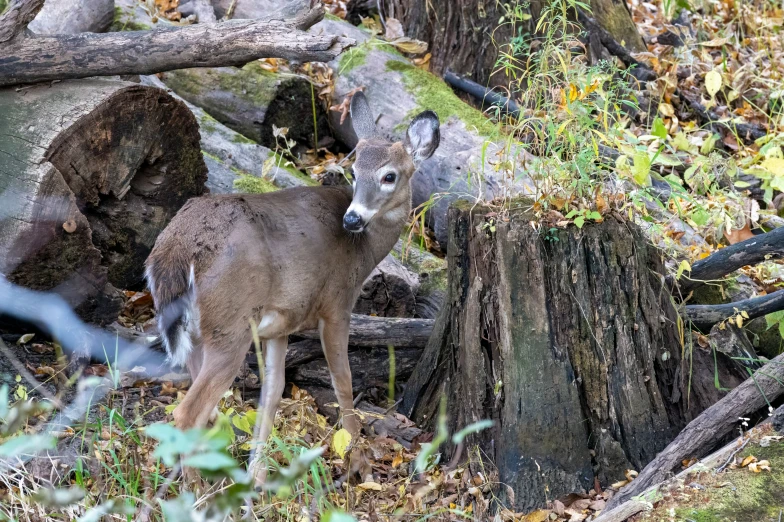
(352, 222)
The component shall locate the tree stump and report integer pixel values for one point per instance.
(90, 172)
(567, 340)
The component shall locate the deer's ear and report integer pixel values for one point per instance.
(423, 136)
(361, 117)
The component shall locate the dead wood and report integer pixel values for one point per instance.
(639, 70)
(747, 132)
(235, 42)
(705, 316)
(718, 421)
(561, 343)
(368, 331)
(729, 259)
(253, 101)
(69, 17)
(90, 172)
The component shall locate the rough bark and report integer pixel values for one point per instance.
(727, 260)
(462, 166)
(235, 42)
(569, 345)
(251, 101)
(69, 17)
(465, 35)
(90, 173)
(700, 436)
(705, 316)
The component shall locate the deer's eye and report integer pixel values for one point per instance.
(390, 178)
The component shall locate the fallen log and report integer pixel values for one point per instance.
(261, 9)
(366, 331)
(701, 434)
(235, 42)
(465, 164)
(747, 132)
(69, 17)
(370, 367)
(90, 172)
(727, 260)
(389, 291)
(252, 101)
(705, 316)
(234, 162)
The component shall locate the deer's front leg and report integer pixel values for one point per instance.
(334, 342)
(271, 392)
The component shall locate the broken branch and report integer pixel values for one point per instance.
(235, 42)
(384, 331)
(705, 316)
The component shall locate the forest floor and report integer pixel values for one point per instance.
(726, 63)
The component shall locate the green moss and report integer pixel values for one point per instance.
(122, 22)
(357, 56)
(253, 184)
(207, 122)
(252, 82)
(3, 5)
(433, 94)
(239, 138)
(280, 161)
(328, 16)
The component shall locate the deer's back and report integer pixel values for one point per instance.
(284, 251)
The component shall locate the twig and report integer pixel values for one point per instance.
(732, 456)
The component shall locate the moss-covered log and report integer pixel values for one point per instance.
(466, 162)
(569, 343)
(252, 100)
(90, 172)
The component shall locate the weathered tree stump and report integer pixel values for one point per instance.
(569, 342)
(90, 172)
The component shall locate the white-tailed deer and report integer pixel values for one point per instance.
(288, 261)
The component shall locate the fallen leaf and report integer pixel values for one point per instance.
(713, 82)
(738, 235)
(748, 460)
(540, 515)
(340, 441)
(373, 486)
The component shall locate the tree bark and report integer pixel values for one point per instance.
(90, 173)
(705, 316)
(252, 101)
(701, 435)
(366, 331)
(465, 36)
(569, 344)
(727, 260)
(69, 17)
(235, 42)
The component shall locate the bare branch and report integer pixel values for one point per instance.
(18, 17)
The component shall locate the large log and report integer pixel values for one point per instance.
(366, 331)
(463, 165)
(69, 17)
(234, 162)
(571, 346)
(90, 172)
(702, 434)
(234, 42)
(252, 101)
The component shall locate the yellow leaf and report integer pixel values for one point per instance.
(572, 92)
(763, 465)
(739, 321)
(748, 460)
(397, 461)
(667, 110)
(340, 441)
(375, 486)
(540, 515)
(774, 165)
(713, 82)
(716, 42)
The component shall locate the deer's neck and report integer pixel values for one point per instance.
(384, 231)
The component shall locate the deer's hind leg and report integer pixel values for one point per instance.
(222, 357)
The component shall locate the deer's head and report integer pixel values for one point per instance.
(383, 169)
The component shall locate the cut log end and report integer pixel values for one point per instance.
(114, 162)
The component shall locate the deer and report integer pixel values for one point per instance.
(286, 261)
